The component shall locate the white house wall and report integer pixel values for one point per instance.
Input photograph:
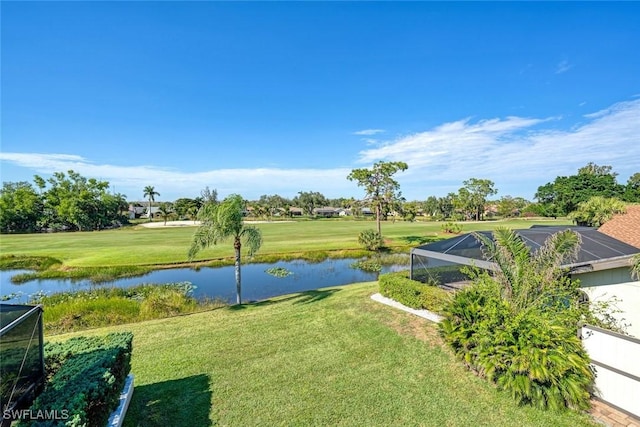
(615, 360)
(628, 296)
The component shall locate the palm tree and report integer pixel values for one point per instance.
(220, 222)
(165, 210)
(151, 193)
(525, 277)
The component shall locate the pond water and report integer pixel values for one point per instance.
(218, 282)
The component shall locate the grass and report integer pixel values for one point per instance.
(79, 310)
(325, 357)
(156, 247)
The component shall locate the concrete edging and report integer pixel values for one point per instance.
(117, 417)
(426, 314)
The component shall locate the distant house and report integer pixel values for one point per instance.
(136, 210)
(367, 212)
(295, 211)
(154, 212)
(326, 212)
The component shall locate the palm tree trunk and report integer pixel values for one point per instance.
(237, 246)
(149, 212)
(378, 213)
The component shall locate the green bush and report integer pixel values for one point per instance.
(370, 240)
(532, 355)
(411, 293)
(451, 227)
(85, 377)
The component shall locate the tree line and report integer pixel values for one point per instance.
(63, 202)
(72, 202)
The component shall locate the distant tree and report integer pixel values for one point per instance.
(597, 210)
(166, 211)
(594, 169)
(192, 212)
(380, 187)
(73, 202)
(150, 193)
(209, 196)
(632, 189)
(63, 202)
(309, 200)
(273, 204)
(510, 206)
(182, 205)
(221, 221)
(431, 207)
(563, 195)
(447, 204)
(20, 208)
(474, 195)
(410, 210)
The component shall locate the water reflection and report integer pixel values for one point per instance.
(218, 282)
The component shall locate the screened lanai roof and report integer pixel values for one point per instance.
(596, 249)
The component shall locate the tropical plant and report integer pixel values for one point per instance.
(220, 222)
(166, 211)
(517, 325)
(451, 227)
(381, 189)
(371, 240)
(150, 193)
(526, 278)
(597, 210)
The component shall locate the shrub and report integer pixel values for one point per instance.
(368, 265)
(411, 293)
(532, 355)
(370, 240)
(85, 377)
(517, 325)
(451, 227)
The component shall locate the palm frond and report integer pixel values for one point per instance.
(561, 247)
(252, 238)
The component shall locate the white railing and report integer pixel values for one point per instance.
(616, 360)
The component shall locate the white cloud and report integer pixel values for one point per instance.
(518, 154)
(563, 67)
(369, 132)
(250, 183)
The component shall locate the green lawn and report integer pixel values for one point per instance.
(326, 357)
(157, 246)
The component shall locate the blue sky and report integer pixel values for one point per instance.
(281, 97)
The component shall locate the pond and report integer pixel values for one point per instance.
(218, 282)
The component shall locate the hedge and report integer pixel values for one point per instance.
(411, 293)
(85, 377)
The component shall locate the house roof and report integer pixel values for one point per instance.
(624, 227)
(597, 251)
